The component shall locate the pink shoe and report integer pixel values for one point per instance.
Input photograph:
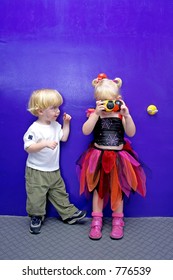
(117, 228)
(96, 228)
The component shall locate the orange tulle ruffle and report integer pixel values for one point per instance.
(112, 173)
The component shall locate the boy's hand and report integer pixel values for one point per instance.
(66, 117)
(51, 144)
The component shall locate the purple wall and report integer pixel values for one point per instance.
(64, 44)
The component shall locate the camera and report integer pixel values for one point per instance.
(112, 105)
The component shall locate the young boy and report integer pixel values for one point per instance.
(43, 177)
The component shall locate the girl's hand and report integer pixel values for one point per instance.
(99, 107)
(124, 110)
(66, 117)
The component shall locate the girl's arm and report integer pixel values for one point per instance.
(128, 123)
(66, 127)
(129, 126)
(89, 125)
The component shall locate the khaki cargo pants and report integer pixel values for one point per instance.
(40, 186)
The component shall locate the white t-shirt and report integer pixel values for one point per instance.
(46, 159)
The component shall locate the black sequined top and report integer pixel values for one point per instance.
(109, 132)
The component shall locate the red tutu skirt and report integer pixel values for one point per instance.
(112, 173)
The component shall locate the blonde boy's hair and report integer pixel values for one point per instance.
(42, 99)
(107, 89)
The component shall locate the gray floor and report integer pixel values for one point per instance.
(144, 239)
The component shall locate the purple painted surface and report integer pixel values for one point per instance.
(64, 45)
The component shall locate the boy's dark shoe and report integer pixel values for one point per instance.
(77, 216)
(36, 223)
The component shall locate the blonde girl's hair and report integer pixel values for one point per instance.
(42, 99)
(106, 88)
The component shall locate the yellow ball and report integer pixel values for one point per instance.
(152, 109)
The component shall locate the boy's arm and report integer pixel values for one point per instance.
(36, 147)
(32, 143)
(66, 127)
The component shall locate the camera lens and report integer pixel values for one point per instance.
(118, 102)
(110, 105)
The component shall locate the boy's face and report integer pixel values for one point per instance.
(50, 114)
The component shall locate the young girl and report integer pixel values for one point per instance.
(109, 168)
(43, 176)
